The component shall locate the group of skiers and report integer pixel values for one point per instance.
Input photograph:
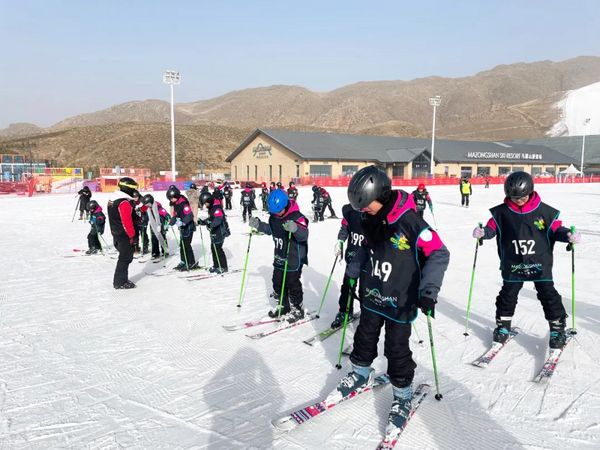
(395, 261)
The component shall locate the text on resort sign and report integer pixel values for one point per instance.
(503, 155)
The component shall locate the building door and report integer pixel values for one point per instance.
(420, 166)
(466, 171)
(398, 171)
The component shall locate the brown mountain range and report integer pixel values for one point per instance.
(509, 101)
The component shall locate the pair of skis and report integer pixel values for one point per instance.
(283, 325)
(300, 416)
(547, 369)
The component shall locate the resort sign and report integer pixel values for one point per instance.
(262, 151)
(504, 155)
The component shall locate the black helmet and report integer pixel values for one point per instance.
(279, 185)
(518, 184)
(367, 185)
(248, 185)
(315, 188)
(292, 183)
(206, 197)
(91, 205)
(173, 193)
(148, 200)
(193, 186)
(86, 189)
(127, 185)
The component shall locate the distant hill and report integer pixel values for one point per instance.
(515, 101)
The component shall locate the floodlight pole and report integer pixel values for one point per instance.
(435, 102)
(172, 78)
(585, 124)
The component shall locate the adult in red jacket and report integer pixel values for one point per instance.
(121, 213)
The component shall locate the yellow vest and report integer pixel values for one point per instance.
(466, 188)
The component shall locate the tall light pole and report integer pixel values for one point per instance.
(435, 102)
(585, 124)
(172, 78)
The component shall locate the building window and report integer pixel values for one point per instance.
(518, 169)
(483, 171)
(549, 169)
(255, 173)
(398, 171)
(247, 173)
(280, 173)
(466, 171)
(420, 166)
(446, 170)
(297, 171)
(348, 171)
(236, 177)
(320, 170)
(270, 172)
(503, 170)
(536, 170)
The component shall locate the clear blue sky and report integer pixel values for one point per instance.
(62, 58)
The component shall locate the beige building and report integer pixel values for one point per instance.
(281, 155)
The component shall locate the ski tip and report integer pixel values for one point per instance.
(285, 424)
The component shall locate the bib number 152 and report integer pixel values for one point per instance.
(524, 247)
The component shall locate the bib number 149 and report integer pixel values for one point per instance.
(381, 271)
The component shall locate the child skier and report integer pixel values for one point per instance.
(158, 218)
(264, 195)
(292, 191)
(421, 196)
(526, 230)
(184, 219)
(246, 202)
(327, 203)
(218, 229)
(85, 196)
(97, 220)
(286, 221)
(227, 194)
(404, 264)
(318, 204)
(351, 230)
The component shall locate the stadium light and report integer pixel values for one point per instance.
(172, 78)
(586, 122)
(435, 102)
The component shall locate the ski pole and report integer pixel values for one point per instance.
(203, 248)
(352, 283)
(417, 333)
(477, 244)
(218, 260)
(327, 286)
(433, 215)
(75, 212)
(287, 255)
(243, 286)
(187, 267)
(571, 248)
(438, 396)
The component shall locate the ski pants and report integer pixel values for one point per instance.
(344, 292)
(264, 204)
(292, 292)
(328, 205)
(421, 213)
(156, 250)
(401, 367)
(93, 240)
(247, 211)
(185, 250)
(506, 302)
(125, 250)
(227, 202)
(218, 255)
(464, 199)
(143, 233)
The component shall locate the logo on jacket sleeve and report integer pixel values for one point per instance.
(400, 242)
(539, 223)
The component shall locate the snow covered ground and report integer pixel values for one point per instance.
(85, 366)
(576, 107)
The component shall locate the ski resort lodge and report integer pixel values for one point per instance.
(282, 155)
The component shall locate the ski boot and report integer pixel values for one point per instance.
(400, 411)
(295, 314)
(354, 381)
(502, 330)
(278, 312)
(339, 320)
(179, 267)
(558, 336)
(127, 285)
(91, 251)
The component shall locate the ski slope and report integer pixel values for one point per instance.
(85, 366)
(576, 107)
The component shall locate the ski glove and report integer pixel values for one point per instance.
(254, 222)
(337, 250)
(574, 238)
(290, 226)
(478, 233)
(427, 304)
